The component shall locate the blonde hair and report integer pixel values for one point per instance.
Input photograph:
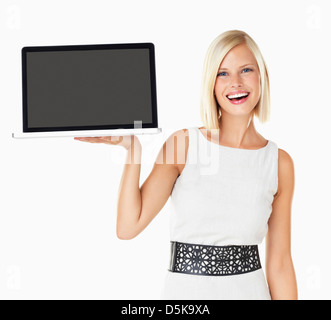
(210, 110)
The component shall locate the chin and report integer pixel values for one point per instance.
(237, 110)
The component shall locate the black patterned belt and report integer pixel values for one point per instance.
(198, 259)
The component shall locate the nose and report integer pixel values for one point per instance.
(236, 81)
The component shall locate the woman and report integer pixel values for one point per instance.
(223, 210)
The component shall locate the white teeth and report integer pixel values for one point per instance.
(238, 95)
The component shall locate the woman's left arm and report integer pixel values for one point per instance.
(279, 266)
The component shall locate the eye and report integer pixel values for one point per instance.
(221, 73)
(247, 69)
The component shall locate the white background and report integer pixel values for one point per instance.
(59, 196)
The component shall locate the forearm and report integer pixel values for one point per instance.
(129, 196)
(282, 281)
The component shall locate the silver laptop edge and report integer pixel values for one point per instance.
(87, 133)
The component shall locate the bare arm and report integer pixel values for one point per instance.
(129, 196)
(137, 207)
(279, 266)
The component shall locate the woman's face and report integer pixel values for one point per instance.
(238, 74)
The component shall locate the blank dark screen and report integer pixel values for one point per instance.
(88, 88)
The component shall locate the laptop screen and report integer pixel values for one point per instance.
(89, 87)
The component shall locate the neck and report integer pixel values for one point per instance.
(237, 131)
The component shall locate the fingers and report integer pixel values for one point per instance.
(110, 140)
(90, 139)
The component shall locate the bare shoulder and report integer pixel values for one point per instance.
(285, 161)
(285, 172)
(175, 149)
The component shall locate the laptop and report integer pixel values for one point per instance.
(89, 90)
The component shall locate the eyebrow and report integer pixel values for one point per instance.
(247, 64)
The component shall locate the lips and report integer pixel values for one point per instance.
(238, 100)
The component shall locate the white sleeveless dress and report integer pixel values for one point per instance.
(223, 197)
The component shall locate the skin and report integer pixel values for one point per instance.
(138, 206)
(236, 124)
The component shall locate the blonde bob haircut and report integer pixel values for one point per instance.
(210, 110)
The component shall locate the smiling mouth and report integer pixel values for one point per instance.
(238, 97)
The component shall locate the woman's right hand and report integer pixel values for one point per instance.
(124, 141)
